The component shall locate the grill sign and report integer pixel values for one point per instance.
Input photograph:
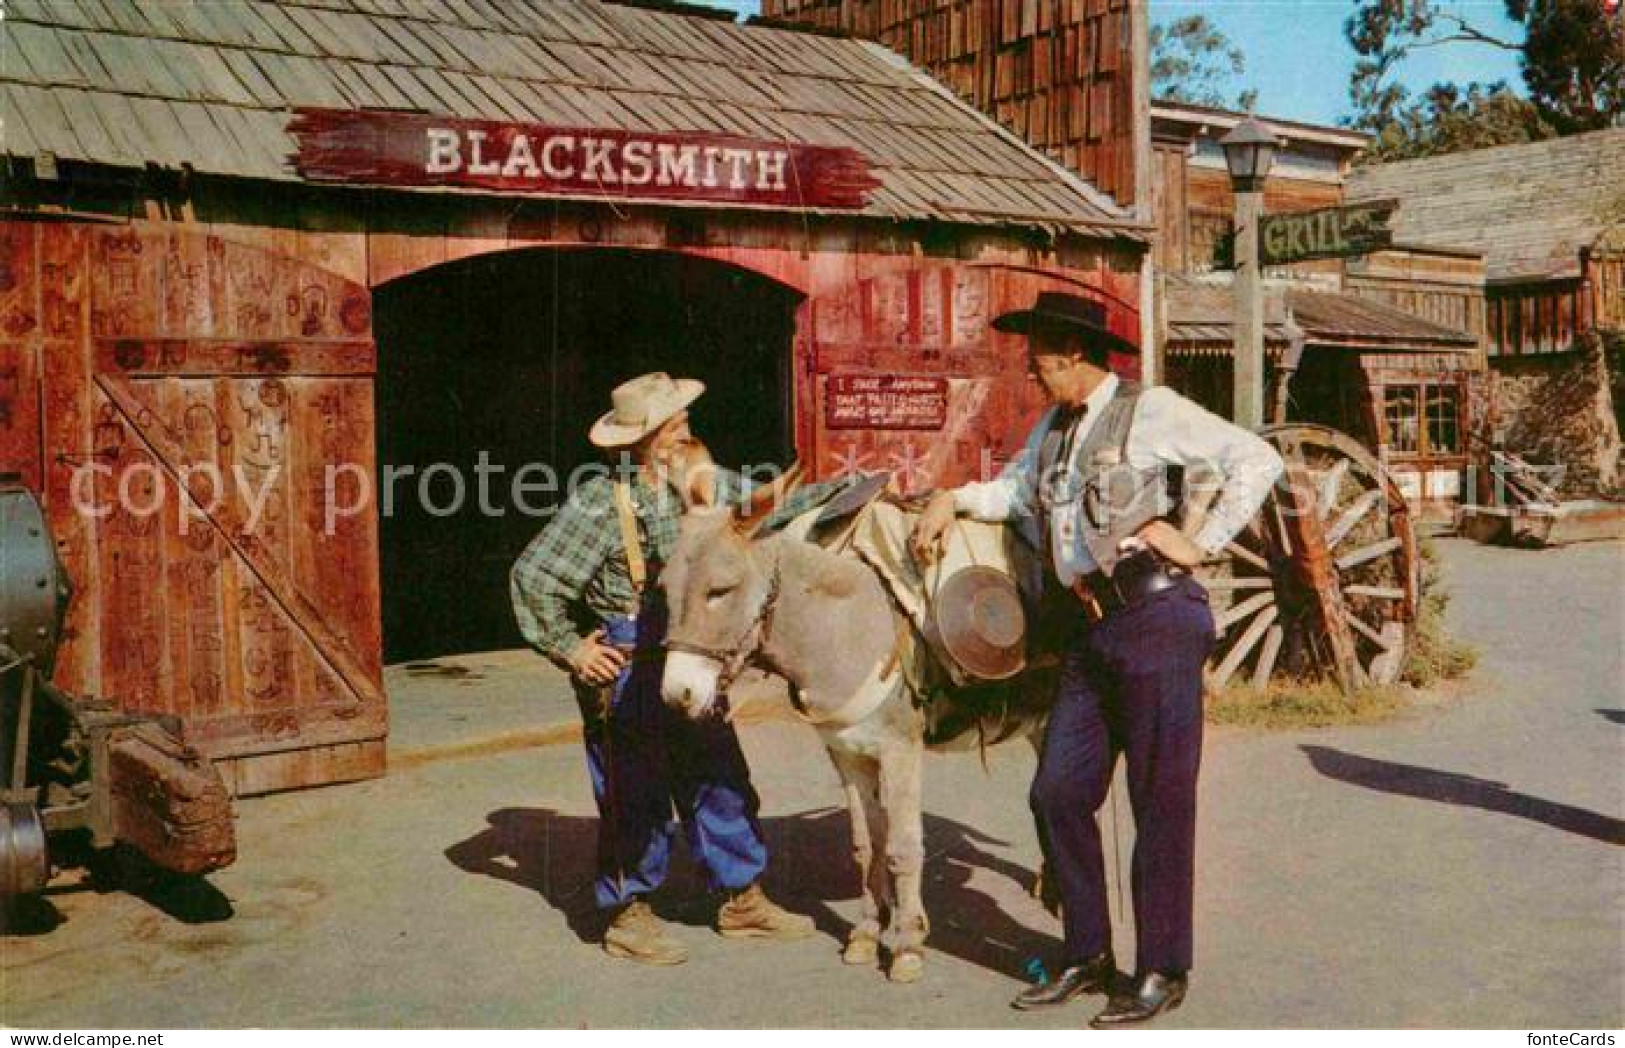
(410, 149)
(886, 402)
(1336, 232)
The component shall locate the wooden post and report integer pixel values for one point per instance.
(1248, 406)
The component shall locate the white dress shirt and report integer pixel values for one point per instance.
(1167, 430)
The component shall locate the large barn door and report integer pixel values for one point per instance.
(208, 429)
(905, 371)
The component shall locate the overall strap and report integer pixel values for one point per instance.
(635, 564)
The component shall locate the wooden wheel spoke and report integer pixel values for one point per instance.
(1368, 553)
(1282, 536)
(1330, 485)
(1240, 582)
(1244, 646)
(1267, 657)
(1299, 600)
(1247, 555)
(1352, 516)
(1379, 592)
(1245, 608)
(1369, 634)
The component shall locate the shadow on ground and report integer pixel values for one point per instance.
(1408, 780)
(553, 855)
(1617, 716)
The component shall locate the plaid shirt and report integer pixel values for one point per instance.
(575, 572)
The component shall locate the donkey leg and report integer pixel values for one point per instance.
(1044, 888)
(905, 859)
(859, 779)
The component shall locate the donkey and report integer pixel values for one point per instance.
(827, 625)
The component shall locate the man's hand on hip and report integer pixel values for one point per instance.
(1174, 545)
(595, 662)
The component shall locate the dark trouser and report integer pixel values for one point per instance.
(1132, 684)
(647, 759)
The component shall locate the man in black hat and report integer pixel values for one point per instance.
(1093, 473)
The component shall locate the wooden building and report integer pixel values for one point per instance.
(1192, 204)
(175, 297)
(1400, 385)
(1548, 221)
(1068, 76)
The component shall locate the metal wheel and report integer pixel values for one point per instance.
(1324, 582)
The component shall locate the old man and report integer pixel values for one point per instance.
(593, 564)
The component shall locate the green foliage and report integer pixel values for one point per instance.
(1573, 59)
(1192, 60)
(1287, 704)
(1434, 654)
(1449, 119)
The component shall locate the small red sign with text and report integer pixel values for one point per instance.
(886, 402)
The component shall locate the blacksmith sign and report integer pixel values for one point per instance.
(411, 149)
(886, 402)
(1334, 232)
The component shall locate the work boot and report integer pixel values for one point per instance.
(750, 914)
(636, 934)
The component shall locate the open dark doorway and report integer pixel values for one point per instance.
(513, 356)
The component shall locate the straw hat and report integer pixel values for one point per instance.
(641, 405)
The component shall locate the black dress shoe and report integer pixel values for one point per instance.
(1152, 994)
(1092, 976)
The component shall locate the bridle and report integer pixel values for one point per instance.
(734, 659)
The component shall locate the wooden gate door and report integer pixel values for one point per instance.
(207, 420)
(904, 371)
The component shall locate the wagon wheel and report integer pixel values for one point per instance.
(1324, 581)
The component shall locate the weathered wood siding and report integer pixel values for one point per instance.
(1059, 73)
(238, 335)
(193, 393)
(1445, 288)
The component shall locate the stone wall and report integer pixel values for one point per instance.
(1561, 409)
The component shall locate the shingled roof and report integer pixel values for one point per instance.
(1528, 208)
(1199, 320)
(210, 86)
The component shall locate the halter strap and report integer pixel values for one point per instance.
(735, 657)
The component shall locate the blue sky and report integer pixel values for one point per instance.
(1300, 62)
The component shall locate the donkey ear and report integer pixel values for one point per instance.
(693, 473)
(750, 517)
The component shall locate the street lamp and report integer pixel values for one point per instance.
(1249, 149)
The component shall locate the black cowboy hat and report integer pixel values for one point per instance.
(1071, 312)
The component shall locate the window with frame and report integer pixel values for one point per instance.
(1444, 419)
(1401, 412)
(1423, 418)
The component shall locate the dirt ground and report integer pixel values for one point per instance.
(1461, 866)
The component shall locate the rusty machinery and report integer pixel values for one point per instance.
(80, 766)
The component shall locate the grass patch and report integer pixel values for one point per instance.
(1435, 655)
(1285, 704)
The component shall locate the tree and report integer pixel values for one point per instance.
(1192, 60)
(1448, 119)
(1573, 59)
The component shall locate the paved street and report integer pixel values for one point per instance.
(1462, 866)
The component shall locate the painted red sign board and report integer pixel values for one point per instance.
(414, 149)
(886, 402)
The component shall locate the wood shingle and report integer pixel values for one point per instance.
(211, 86)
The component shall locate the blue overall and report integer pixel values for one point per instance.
(648, 759)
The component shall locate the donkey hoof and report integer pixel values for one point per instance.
(906, 967)
(861, 949)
